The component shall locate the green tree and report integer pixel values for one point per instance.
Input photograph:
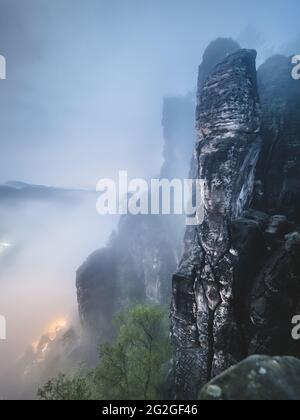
(134, 367)
(76, 387)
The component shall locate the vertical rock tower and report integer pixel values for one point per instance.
(238, 284)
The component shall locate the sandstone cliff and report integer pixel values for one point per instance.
(238, 284)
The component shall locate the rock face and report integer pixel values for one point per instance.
(238, 284)
(216, 52)
(100, 265)
(259, 378)
(143, 254)
(278, 169)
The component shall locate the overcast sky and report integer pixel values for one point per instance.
(86, 78)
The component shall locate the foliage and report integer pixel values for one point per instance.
(75, 387)
(134, 367)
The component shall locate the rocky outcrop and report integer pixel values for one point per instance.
(96, 280)
(227, 151)
(216, 52)
(259, 378)
(278, 174)
(237, 286)
(143, 254)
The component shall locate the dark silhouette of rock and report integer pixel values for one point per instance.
(97, 282)
(216, 52)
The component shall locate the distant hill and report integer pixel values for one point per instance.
(15, 191)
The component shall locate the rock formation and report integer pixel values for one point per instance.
(216, 52)
(278, 174)
(258, 378)
(238, 284)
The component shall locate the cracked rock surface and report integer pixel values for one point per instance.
(238, 284)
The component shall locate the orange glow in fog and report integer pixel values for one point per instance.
(51, 331)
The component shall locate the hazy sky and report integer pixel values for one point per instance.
(86, 78)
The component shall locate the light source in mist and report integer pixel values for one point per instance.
(4, 247)
(51, 332)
